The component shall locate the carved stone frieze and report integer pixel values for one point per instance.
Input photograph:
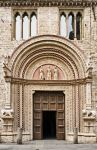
(42, 3)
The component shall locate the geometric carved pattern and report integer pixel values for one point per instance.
(47, 3)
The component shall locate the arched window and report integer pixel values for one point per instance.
(25, 26)
(71, 26)
(78, 26)
(63, 31)
(33, 24)
(17, 27)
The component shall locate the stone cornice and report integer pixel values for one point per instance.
(43, 3)
(48, 82)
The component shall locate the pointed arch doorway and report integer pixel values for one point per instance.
(49, 115)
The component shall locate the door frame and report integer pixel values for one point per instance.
(50, 110)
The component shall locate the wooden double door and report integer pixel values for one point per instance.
(49, 115)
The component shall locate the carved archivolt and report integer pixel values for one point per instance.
(49, 47)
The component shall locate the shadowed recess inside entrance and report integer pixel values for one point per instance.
(49, 124)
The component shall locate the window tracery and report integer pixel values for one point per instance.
(63, 31)
(17, 26)
(33, 24)
(25, 25)
(71, 25)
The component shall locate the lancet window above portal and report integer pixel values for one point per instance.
(71, 24)
(25, 25)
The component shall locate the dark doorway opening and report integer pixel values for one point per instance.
(49, 124)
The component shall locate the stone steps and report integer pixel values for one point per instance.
(48, 145)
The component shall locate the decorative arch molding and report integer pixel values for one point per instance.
(47, 47)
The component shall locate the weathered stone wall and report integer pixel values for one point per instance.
(48, 23)
(48, 20)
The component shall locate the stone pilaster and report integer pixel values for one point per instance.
(74, 25)
(32, 93)
(88, 95)
(7, 112)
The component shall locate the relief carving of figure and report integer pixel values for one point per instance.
(41, 76)
(55, 73)
(49, 73)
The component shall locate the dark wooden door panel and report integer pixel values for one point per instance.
(49, 101)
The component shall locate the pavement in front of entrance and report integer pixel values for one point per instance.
(48, 145)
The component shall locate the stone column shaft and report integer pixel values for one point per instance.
(32, 95)
(21, 106)
(77, 107)
(29, 26)
(67, 25)
(21, 28)
(88, 95)
(8, 95)
(75, 26)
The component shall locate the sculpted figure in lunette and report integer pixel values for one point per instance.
(41, 76)
(49, 73)
(55, 73)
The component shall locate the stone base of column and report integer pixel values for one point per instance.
(84, 138)
(89, 118)
(75, 140)
(89, 124)
(7, 117)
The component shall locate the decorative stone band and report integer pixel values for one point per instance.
(49, 82)
(8, 3)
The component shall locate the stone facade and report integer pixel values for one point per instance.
(20, 62)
